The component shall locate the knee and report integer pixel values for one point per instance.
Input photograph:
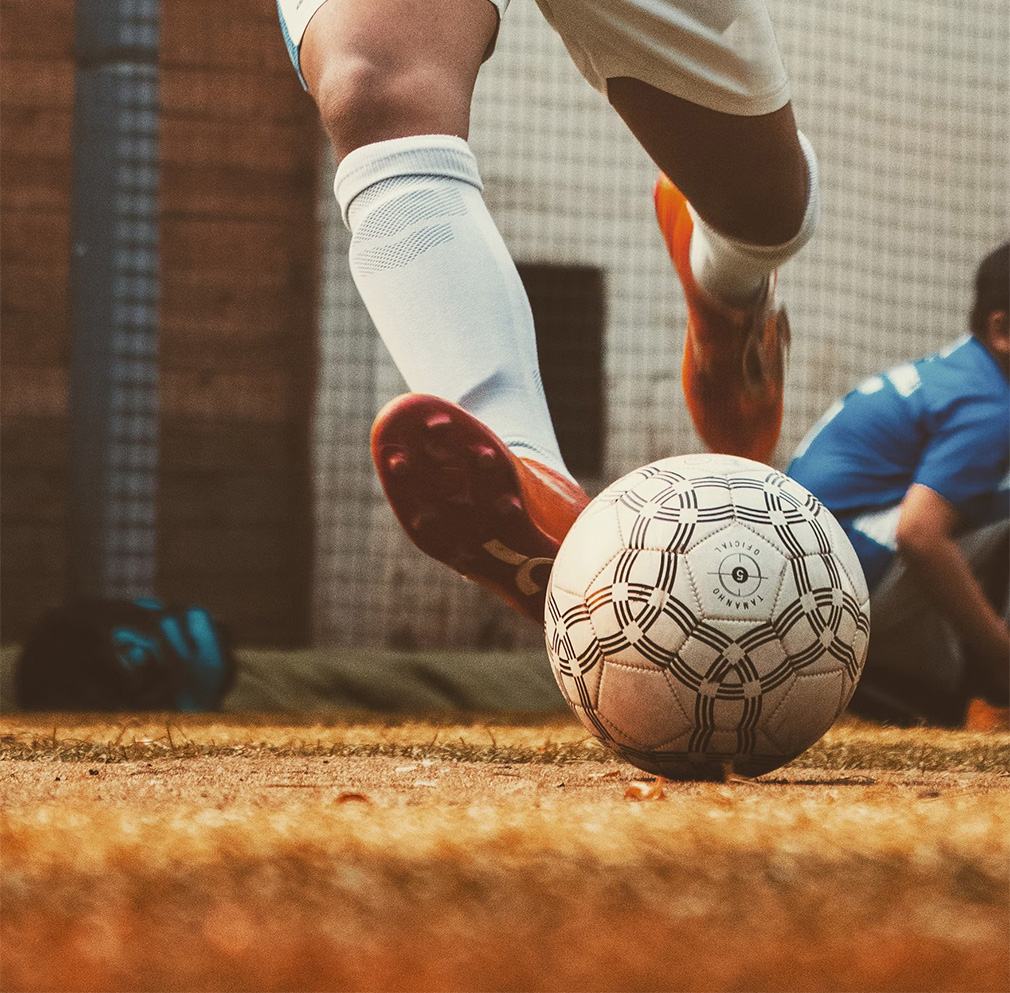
(354, 95)
(367, 99)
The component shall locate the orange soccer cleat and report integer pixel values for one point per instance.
(734, 357)
(984, 716)
(466, 500)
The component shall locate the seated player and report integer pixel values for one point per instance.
(914, 465)
(469, 460)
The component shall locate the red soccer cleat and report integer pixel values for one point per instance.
(734, 357)
(466, 500)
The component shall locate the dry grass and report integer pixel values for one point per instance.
(203, 853)
(498, 738)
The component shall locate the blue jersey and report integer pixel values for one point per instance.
(943, 422)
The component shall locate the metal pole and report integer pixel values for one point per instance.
(113, 368)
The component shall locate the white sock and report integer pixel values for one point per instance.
(734, 271)
(441, 286)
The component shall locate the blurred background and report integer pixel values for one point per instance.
(188, 377)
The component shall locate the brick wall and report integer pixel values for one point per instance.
(240, 147)
(239, 142)
(36, 105)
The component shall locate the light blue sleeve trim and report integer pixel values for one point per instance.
(291, 46)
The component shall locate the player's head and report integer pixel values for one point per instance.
(990, 322)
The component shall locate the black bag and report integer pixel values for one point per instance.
(105, 654)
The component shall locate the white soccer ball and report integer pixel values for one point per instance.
(707, 612)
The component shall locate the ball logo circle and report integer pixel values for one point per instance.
(740, 575)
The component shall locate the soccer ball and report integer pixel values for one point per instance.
(707, 612)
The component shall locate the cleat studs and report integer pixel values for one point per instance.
(438, 422)
(397, 464)
(484, 454)
(422, 522)
(438, 440)
(508, 505)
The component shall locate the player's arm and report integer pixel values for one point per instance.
(926, 528)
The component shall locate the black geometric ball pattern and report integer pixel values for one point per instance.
(705, 612)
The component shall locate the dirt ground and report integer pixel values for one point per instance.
(368, 854)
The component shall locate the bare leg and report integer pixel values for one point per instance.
(746, 176)
(381, 69)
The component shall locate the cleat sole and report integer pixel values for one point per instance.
(457, 492)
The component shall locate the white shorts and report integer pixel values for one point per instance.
(721, 54)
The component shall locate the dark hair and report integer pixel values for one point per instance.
(992, 287)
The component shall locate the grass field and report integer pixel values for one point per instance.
(498, 853)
